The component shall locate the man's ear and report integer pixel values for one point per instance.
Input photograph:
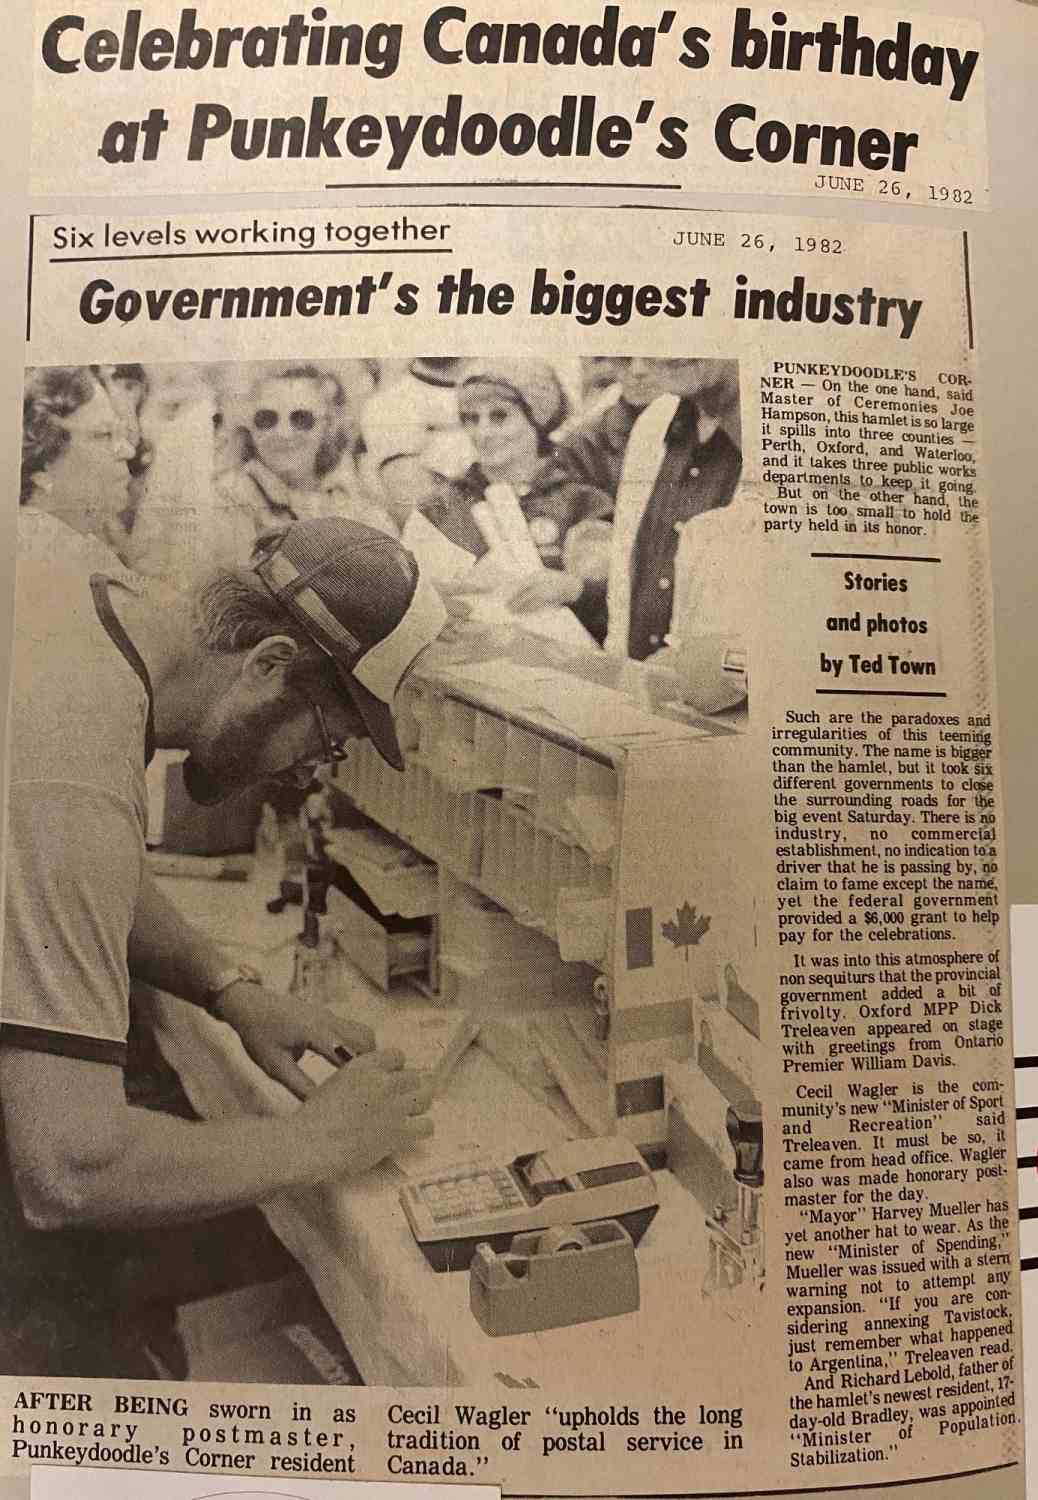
(266, 667)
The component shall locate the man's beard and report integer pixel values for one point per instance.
(228, 761)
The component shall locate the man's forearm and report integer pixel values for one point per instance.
(173, 1171)
(166, 951)
(82, 1157)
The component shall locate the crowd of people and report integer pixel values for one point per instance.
(168, 470)
(270, 507)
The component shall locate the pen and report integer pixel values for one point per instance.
(464, 1035)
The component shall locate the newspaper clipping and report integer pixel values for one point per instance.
(505, 977)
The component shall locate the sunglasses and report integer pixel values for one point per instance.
(333, 751)
(302, 419)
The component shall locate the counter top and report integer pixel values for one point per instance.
(404, 1323)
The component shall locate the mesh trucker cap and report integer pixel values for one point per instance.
(360, 597)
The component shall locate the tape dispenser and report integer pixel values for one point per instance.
(554, 1278)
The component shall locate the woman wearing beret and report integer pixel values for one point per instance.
(509, 409)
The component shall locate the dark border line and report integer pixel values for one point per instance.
(1030, 1112)
(1026, 1161)
(969, 289)
(871, 693)
(484, 204)
(506, 182)
(1029, 1213)
(876, 557)
(28, 281)
(1029, 1263)
(1027, 1061)
(74, 260)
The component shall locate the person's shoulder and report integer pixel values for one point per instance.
(57, 607)
(555, 480)
(738, 521)
(76, 702)
(43, 538)
(50, 592)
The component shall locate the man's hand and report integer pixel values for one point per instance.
(372, 1109)
(544, 590)
(485, 576)
(275, 1031)
(459, 610)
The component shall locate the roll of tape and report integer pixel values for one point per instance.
(562, 1237)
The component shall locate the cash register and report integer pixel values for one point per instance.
(479, 1202)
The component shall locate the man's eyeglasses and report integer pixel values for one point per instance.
(333, 751)
(302, 419)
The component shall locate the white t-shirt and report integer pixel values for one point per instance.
(77, 810)
(715, 572)
(43, 537)
(716, 599)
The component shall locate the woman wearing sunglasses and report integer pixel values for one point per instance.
(296, 464)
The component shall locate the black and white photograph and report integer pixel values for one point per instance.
(352, 984)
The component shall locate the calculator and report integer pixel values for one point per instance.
(452, 1210)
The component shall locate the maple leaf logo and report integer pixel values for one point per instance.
(687, 929)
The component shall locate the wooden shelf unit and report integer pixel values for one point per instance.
(564, 856)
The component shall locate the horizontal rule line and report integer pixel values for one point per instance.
(511, 182)
(871, 693)
(876, 557)
(74, 260)
(486, 205)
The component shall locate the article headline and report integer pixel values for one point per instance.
(764, 42)
(462, 294)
